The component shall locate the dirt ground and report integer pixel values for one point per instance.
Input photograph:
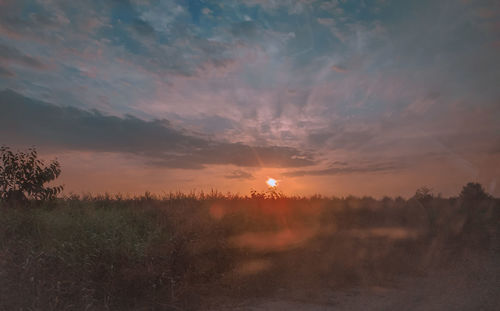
(471, 283)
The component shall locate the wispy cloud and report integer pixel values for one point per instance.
(5, 72)
(239, 174)
(12, 55)
(348, 169)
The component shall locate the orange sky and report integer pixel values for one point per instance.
(113, 173)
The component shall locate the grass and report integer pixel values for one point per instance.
(184, 251)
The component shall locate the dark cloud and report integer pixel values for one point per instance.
(5, 72)
(363, 168)
(27, 121)
(143, 28)
(11, 54)
(246, 29)
(239, 174)
(340, 163)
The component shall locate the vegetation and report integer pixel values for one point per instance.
(473, 192)
(23, 176)
(183, 251)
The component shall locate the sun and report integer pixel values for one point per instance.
(271, 182)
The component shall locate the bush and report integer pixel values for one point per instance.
(423, 195)
(23, 176)
(473, 192)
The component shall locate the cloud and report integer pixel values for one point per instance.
(326, 21)
(366, 168)
(339, 68)
(5, 72)
(12, 55)
(246, 29)
(26, 121)
(143, 27)
(25, 19)
(341, 138)
(239, 174)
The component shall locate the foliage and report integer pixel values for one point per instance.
(423, 195)
(473, 192)
(23, 175)
(270, 194)
(179, 251)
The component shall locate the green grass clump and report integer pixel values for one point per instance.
(64, 250)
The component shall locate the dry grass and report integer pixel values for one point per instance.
(185, 251)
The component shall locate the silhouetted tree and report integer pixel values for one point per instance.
(476, 207)
(473, 192)
(23, 176)
(424, 196)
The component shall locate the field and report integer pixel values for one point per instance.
(211, 251)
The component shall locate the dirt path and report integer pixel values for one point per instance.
(470, 284)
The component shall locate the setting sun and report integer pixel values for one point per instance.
(271, 182)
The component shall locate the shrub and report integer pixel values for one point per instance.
(473, 192)
(423, 195)
(23, 176)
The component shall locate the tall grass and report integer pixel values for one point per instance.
(181, 251)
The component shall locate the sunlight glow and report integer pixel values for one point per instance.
(271, 182)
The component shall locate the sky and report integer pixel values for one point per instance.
(334, 97)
